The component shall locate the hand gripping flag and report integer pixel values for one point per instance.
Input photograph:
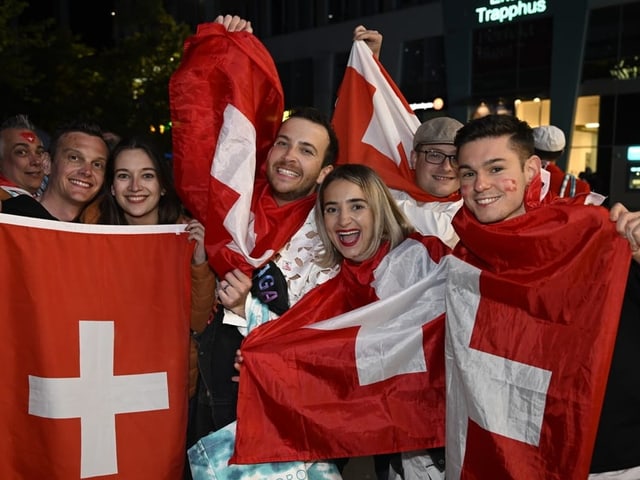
(532, 310)
(375, 124)
(226, 107)
(95, 350)
(319, 383)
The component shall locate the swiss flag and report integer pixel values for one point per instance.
(318, 384)
(94, 362)
(226, 107)
(532, 310)
(375, 124)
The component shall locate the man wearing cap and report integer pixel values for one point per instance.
(549, 143)
(431, 157)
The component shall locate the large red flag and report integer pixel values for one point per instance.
(375, 124)
(226, 107)
(95, 350)
(532, 310)
(365, 382)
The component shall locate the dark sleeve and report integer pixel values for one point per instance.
(26, 206)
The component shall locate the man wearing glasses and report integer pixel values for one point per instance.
(431, 157)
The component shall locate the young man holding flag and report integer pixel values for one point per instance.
(255, 194)
(528, 344)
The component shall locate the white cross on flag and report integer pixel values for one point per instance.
(316, 384)
(375, 124)
(96, 332)
(532, 310)
(226, 107)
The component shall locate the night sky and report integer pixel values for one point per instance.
(91, 20)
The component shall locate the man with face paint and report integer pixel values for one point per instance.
(500, 183)
(24, 162)
(79, 156)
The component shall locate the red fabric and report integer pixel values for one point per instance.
(274, 226)
(551, 288)
(300, 397)
(557, 177)
(56, 281)
(5, 182)
(221, 70)
(354, 112)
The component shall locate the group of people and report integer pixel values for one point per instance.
(335, 223)
(88, 182)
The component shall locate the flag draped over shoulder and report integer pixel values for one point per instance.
(532, 310)
(320, 383)
(95, 350)
(375, 124)
(226, 107)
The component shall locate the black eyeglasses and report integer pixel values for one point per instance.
(437, 158)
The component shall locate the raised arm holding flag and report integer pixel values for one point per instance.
(377, 127)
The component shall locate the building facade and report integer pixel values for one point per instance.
(573, 64)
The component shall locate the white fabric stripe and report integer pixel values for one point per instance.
(89, 228)
(502, 396)
(234, 164)
(411, 291)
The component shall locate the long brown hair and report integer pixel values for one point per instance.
(169, 207)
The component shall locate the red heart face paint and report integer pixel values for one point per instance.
(28, 136)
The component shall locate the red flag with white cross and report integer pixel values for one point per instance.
(226, 107)
(375, 124)
(320, 383)
(533, 305)
(94, 362)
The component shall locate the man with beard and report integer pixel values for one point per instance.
(302, 154)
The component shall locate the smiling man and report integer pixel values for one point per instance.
(496, 164)
(433, 155)
(520, 292)
(303, 153)
(433, 159)
(23, 159)
(79, 158)
(301, 156)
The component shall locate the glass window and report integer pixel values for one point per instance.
(297, 82)
(601, 49)
(584, 145)
(513, 59)
(630, 41)
(423, 70)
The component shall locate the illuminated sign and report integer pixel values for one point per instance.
(633, 153)
(508, 10)
(634, 178)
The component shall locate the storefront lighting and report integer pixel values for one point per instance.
(633, 153)
(421, 106)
